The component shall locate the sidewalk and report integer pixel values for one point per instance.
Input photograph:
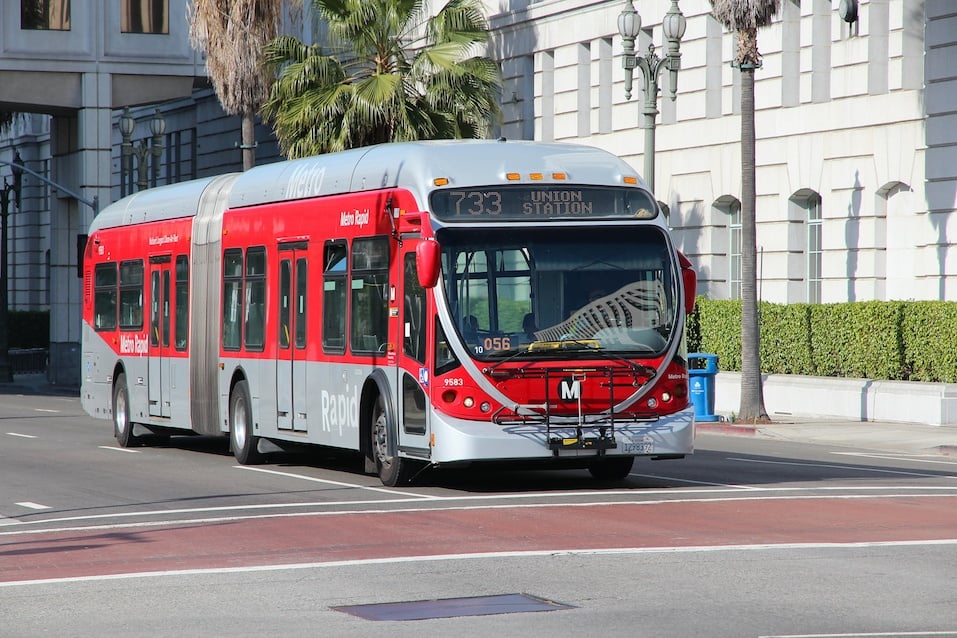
(899, 438)
(36, 384)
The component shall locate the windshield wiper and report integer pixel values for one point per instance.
(507, 355)
(553, 348)
(594, 346)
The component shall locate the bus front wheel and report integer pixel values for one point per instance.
(122, 425)
(244, 443)
(392, 469)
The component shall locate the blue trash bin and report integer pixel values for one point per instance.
(702, 369)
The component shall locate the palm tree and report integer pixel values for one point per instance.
(232, 33)
(383, 78)
(745, 17)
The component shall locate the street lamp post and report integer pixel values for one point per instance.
(651, 65)
(6, 370)
(142, 150)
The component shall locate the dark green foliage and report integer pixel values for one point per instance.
(897, 340)
(930, 346)
(786, 338)
(693, 329)
(721, 331)
(858, 340)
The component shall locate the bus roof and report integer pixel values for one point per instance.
(154, 204)
(414, 166)
(410, 165)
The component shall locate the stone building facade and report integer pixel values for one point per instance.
(856, 134)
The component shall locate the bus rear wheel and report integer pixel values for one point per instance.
(122, 425)
(244, 443)
(611, 468)
(392, 469)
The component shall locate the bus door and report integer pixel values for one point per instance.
(413, 369)
(291, 400)
(159, 340)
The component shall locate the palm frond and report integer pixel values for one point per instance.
(233, 33)
(742, 15)
(384, 79)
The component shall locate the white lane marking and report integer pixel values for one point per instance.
(33, 506)
(46, 410)
(22, 436)
(487, 555)
(406, 510)
(357, 486)
(858, 468)
(894, 634)
(920, 458)
(118, 449)
(690, 482)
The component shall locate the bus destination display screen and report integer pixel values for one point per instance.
(523, 203)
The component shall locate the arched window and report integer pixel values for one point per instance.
(806, 207)
(814, 253)
(731, 206)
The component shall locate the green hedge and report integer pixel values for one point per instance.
(900, 340)
(930, 346)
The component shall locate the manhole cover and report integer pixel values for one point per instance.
(453, 607)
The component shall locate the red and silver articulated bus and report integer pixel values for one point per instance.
(423, 303)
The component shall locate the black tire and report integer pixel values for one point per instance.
(392, 469)
(611, 468)
(242, 441)
(122, 424)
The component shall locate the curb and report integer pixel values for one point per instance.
(726, 428)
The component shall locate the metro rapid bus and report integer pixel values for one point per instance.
(426, 304)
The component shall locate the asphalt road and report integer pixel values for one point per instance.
(749, 537)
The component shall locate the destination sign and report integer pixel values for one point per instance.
(538, 203)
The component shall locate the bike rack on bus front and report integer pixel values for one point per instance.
(571, 431)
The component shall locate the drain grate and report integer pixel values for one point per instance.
(453, 607)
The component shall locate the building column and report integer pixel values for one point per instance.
(81, 146)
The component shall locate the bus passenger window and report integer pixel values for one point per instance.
(131, 295)
(414, 312)
(155, 308)
(181, 325)
(255, 298)
(370, 296)
(232, 300)
(285, 276)
(301, 289)
(335, 266)
(104, 297)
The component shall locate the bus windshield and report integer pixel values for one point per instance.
(547, 292)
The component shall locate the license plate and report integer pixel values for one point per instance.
(638, 447)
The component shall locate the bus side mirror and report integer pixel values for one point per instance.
(427, 261)
(410, 223)
(690, 279)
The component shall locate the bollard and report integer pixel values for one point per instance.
(701, 381)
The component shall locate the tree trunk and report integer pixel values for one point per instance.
(249, 139)
(752, 394)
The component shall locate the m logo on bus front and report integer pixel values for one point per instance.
(570, 389)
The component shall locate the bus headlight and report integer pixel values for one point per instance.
(468, 402)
